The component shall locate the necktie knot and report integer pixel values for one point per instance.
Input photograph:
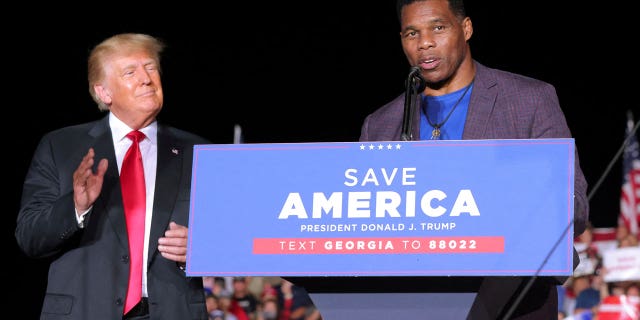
(136, 136)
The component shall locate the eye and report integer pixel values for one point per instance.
(410, 34)
(151, 67)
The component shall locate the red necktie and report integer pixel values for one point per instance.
(134, 201)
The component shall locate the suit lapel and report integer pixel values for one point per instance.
(110, 199)
(169, 169)
(481, 105)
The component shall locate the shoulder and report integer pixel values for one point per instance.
(181, 135)
(512, 89)
(488, 77)
(76, 131)
(390, 110)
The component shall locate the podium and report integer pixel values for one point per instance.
(371, 233)
(360, 298)
(364, 298)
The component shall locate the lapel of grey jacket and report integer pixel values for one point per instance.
(481, 105)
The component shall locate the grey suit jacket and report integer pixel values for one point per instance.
(503, 105)
(89, 271)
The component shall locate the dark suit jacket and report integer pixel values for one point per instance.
(503, 105)
(89, 272)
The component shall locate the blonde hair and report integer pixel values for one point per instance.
(116, 45)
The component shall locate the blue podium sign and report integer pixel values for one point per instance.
(416, 208)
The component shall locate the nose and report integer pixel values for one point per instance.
(426, 42)
(144, 77)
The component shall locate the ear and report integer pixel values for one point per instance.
(103, 93)
(467, 26)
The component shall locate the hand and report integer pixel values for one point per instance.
(173, 245)
(86, 184)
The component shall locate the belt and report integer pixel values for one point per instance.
(141, 309)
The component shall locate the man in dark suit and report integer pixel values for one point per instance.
(465, 100)
(72, 204)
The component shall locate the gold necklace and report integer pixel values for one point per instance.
(435, 133)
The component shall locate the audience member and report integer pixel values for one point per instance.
(294, 301)
(244, 298)
(231, 310)
(268, 309)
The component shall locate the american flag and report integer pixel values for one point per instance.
(630, 195)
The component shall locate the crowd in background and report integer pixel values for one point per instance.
(589, 294)
(257, 298)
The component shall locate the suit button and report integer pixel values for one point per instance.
(118, 302)
(125, 258)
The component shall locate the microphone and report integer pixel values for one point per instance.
(414, 84)
(417, 81)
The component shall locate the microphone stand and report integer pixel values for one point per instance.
(415, 84)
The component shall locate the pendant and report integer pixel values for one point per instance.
(435, 134)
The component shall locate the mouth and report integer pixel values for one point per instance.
(147, 93)
(428, 63)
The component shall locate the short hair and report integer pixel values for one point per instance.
(115, 45)
(456, 6)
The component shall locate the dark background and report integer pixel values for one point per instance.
(304, 72)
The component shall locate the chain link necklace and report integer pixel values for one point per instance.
(435, 133)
